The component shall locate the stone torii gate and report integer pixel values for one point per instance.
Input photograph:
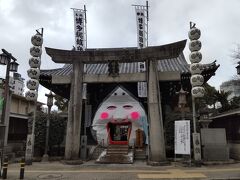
(150, 55)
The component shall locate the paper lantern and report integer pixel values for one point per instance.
(197, 80)
(37, 40)
(35, 51)
(32, 84)
(196, 68)
(33, 73)
(195, 57)
(34, 62)
(195, 45)
(198, 91)
(31, 95)
(194, 34)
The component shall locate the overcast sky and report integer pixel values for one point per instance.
(111, 23)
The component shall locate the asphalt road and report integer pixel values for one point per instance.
(139, 170)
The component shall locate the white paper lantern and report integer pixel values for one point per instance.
(197, 80)
(195, 57)
(37, 40)
(35, 51)
(198, 91)
(195, 45)
(34, 62)
(196, 68)
(194, 34)
(32, 84)
(31, 95)
(33, 73)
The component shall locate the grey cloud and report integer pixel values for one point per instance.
(112, 24)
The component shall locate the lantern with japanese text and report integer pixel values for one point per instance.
(34, 62)
(196, 68)
(194, 33)
(36, 51)
(31, 95)
(32, 84)
(195, 57)
(198, 91)
(33, 73)
(197, 80)
(37, 40)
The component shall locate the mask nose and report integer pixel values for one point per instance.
(119, 114)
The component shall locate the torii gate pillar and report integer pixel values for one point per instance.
(156, 135)
(74, 113)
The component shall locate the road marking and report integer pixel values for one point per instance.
(213, 170)
(174, 174)
(171, 176)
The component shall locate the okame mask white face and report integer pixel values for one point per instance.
(117, 119)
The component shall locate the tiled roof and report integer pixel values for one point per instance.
(166, 65)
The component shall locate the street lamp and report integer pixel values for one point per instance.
(50, 97)
(238, 68)
(5, 59)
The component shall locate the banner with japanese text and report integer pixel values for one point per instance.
(141, 40)
(79, 27)
(142, 89)
(141, 27)
(80, 38)
(182, 137)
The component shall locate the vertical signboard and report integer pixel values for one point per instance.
(182, 137)
(80, 38)
(141, 41)
(142, 89)
(141, 28)
(79, 27)
(29, 148)
(196, 146)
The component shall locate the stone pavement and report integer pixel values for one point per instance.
(139, 170)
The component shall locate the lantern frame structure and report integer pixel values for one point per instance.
(238, 68)
(50, 98)
(6, 58)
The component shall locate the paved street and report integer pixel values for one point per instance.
(138, 170)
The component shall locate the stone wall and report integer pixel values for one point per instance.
(234, 150)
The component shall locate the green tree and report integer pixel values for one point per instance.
(222, 97)
(210, 97)
(56, 133)
(61, 103)
(235, 102)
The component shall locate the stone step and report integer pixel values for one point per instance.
(117, 146)
(140, 154)
(116, 158)
(117, 149)
(117, 152)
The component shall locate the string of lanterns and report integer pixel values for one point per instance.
(195, 57)
(34, 71)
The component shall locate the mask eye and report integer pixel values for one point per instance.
(127, 107)
(111, 107)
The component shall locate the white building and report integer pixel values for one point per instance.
(16, 84)
(233, 86)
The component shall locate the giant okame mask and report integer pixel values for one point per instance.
(117, 119)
